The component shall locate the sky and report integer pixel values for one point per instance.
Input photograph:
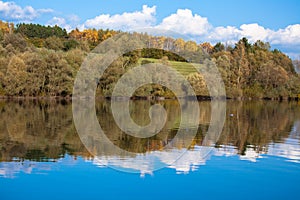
(277, 22)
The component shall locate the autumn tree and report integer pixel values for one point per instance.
(75, 34)
(207, 47)
(15, 77)
(190, 46)
(6, 27)
(240, 67)
(91, 35)
(59, 76)
(272, 75)
(36, 71)
(179, 45)
(197, 81)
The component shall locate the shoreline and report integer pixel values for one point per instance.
(123, 98)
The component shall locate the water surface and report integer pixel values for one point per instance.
(256, 156)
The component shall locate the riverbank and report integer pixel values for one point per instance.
(157, 98)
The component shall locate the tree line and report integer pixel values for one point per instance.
(38, 60)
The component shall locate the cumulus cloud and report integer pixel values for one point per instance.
(255, 32)
(183, 21)
(125, 21)
(229, 33)
(10, 11)
(286, 39)
(69, 23)
(288, 35)
(61, 22)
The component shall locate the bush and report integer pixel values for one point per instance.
(54, 43)
(16, 40)
(144, 62)
(70, 44)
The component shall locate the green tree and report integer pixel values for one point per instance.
(70, 44)
(39, 31)
(218, 47)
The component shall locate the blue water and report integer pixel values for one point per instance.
(222, 177)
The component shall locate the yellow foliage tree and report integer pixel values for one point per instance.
(179, 44)
(6, 27)
(90, 35)
(75, 34)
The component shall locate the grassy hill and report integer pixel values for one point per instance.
(182, 67)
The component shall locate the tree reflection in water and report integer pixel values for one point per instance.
(42, 131)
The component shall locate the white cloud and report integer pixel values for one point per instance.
(10, 11)
(61, 22)
(74, 18)
(289, 35)
(286, 39)
(57, 21)
(125, 21)
(220, 33)
(255, 32)
(183, 21)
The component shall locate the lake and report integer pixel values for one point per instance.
(255, 156)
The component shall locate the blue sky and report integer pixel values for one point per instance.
(277, 22)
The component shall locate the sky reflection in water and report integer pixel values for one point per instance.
(41, 156)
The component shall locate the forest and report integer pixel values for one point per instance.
(42, 61)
